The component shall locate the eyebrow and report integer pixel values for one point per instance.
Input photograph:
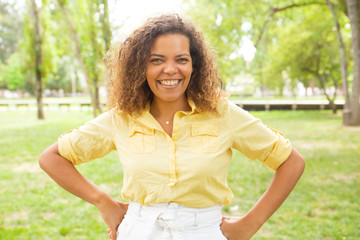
(159, 55)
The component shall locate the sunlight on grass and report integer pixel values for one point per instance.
(324, 205)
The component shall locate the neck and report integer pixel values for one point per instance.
(167, 110)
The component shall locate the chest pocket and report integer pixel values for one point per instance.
(204, 138)
(141, 140)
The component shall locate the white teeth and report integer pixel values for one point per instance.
(170, 83)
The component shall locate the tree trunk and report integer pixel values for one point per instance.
(104, 18)
(312, 86)
(38, 62)
(353, 7)
(97, 54)
(97, 94)
(343, 64)
(328, 97)
(73, 84)
(78, 55)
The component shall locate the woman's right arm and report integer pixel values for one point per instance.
(68, 177)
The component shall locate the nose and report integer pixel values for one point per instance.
(170, 68)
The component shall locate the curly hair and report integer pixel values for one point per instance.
(127, 63)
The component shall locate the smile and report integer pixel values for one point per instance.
(169, 82)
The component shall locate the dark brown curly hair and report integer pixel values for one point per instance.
(127, 63)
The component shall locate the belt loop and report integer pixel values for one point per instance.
(139, 210)
(196, 222)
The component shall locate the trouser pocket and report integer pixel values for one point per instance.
(124, 229)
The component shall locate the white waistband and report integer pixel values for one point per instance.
(161, 206)
(173, 216)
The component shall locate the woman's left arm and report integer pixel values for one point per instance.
(285, 179)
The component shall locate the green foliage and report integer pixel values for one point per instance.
(2, 78)
(10, 29)
(291, 38)
(12, 76)
(296, 40)
(56, 42)
(221, 25)
(27, 45)
(312, 52)
(62, 77)
(87, 17)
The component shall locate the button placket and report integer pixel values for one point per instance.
(172, 154)
(172, 163)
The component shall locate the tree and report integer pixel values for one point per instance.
(351, 113)
(353, 116)
(64, 76)
(103, 8)
(90, 28)
(318, 61)
(342, 50)
(12, 76)
(270, 17)
(79, 57)
(221, 26)
(39, 74)
(10, 30)
(37, 49)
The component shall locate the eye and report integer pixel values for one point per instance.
(156, 60)
(183, 60)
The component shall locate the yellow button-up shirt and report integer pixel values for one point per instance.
(189, 168)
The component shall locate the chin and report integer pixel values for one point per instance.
(171, 98)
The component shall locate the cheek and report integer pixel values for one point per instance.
(150, 74)
(153, 72)
(187, 72)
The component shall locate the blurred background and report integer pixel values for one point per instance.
(266, 49)
(296, 62)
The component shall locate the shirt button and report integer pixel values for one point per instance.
(195, 131)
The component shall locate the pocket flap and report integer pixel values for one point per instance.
(139, 129)
(204, 129)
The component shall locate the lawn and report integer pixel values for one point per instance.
(324, 205)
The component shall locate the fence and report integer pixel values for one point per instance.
(249, 105)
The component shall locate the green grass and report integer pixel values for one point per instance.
(324, 205)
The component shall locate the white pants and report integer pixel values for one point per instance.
(170, 221)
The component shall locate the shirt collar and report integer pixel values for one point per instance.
(193, 107)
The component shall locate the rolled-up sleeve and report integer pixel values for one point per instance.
(257, 141)
(92, 140)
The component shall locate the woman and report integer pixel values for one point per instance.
(174, 134)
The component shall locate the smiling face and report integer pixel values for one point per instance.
(169, 67)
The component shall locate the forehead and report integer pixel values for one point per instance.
(171, 43)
